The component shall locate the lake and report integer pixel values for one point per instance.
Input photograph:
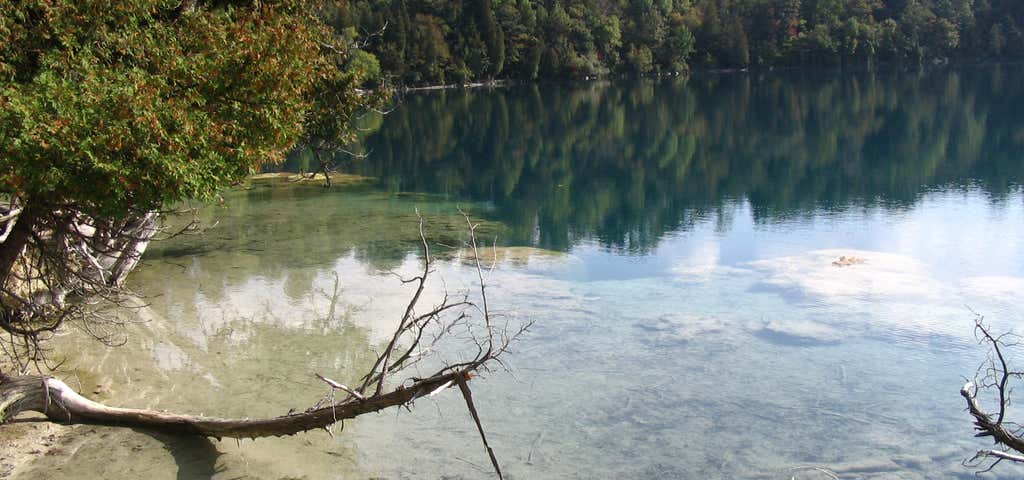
(672, 241)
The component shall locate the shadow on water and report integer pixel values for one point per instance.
(196, 457)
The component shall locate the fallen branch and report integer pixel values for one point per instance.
(986, 425)
(1000, 455)
(468, 396)
(995, 374)
(60, 403)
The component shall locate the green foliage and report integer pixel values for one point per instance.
(486, 39)
(367, 63)
(640, 59)
(112, 106)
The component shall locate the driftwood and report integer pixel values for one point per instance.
(61, 404)
(986, 425)
(994, 375)
(415, 337)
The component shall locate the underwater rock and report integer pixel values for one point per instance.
(886, 278)
(799, 332)
(676, 328)
(913, 462)
(865, 466)
(890, 292)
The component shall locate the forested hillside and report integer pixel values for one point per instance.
(446, 41)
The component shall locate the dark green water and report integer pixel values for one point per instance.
(689, 322)
(625, 164)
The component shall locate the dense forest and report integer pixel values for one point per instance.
(452, 41)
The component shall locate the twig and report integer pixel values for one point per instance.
(468, 395)
(1001, 455)
(533, 447)
(339, 386)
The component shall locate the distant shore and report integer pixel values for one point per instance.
(449, 86)
(510, 82)
(855, 67)
(586, 78)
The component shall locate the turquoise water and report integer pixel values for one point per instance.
(688, 319)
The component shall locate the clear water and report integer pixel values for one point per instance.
(690, 323)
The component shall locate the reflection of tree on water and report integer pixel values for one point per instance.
(294, 233)
(627, 163)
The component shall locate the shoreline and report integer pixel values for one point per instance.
(849, 67)
(305, 179)
(27, 438)
(452, 86)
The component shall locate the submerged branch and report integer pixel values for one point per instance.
(995, 374)
(986, 425)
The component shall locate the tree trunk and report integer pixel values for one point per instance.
(12, 248)
(61, 404)
(988, 426)
(127, 247)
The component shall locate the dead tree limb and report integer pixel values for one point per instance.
(467, 395)
(994, 375)
(409, 344)
(61, 404)
(56, 262)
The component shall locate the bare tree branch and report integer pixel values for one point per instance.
(406, 347)
(993, 374)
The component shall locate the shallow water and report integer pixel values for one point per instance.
(688, 319)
